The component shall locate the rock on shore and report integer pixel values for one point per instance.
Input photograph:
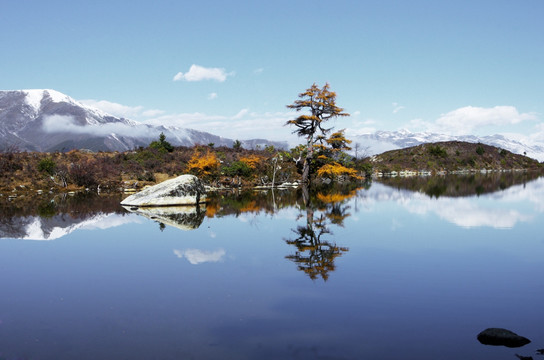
(183, 190)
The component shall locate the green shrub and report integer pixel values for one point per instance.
(47, 165)
(162, 145)
(480, 150)
(437, 150)
(238, 168)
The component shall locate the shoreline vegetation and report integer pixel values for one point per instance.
(323, 159)
(224, 168)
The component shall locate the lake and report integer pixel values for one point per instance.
(401, 269)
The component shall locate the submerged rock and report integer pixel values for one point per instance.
(183, 190)
(504, 337)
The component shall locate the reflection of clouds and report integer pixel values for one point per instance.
(197, 256)
(532, 192)
(468, 212)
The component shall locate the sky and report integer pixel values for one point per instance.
(231, 67)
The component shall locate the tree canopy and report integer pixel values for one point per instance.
(321, 104)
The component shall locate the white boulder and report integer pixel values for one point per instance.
(183, 190)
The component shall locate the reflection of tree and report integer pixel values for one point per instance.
(315, 255)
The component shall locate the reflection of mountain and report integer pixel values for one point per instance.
(48, 218)
(461, 185)
(181, 217)
(39, 228)
(465, 211)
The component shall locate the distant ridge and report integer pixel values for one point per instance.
(452, 157)
(381, 141)
(47, 120)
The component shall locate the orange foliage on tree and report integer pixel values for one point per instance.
(203, 164)
(321, 103)
(334, 169)
(251, 160)
(338, 141)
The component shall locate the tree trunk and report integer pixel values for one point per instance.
(306, 171)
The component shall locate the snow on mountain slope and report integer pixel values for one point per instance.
(381, 141)
(47, 120)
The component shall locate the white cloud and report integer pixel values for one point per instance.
(397, 107)
(62, 123)
(197, 256)
(199, 73)
(258, 71)
(243, 125)
(122, 111)
(466, 119)
(212, 96)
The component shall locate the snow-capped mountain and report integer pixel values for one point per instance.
(47, 120)
(381, 141)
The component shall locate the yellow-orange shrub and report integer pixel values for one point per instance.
(203, 164)
(335, 169)
(251, 160)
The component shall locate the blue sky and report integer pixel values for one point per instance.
(473, 67)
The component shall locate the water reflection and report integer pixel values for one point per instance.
(230, 288)
(461, 185)
(181, 217)
(315, 249)
(197, 256)
(49, 217)
(493, 211)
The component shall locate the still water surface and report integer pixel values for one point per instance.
(375, 273)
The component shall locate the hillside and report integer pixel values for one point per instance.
(451, 156)
(48, 121)
(381, 141)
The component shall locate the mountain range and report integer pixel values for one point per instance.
(381, 141)
(47, 120)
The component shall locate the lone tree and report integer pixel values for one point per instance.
(321, 104)
(162, 145)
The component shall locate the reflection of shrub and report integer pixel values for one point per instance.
(47, 209)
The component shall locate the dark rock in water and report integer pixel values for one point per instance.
(498, 336)
(540, 351)
(521, 357)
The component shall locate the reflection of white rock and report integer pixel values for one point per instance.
(196, 256)
(183, 190)
(181, 217)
